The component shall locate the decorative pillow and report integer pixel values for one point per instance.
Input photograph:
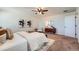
(2, 38)
(9, 34)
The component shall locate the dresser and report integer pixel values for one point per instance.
(50, 30)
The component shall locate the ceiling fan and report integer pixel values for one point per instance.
(39, 10)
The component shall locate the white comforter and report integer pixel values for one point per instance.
(35, 40)
(22, 39)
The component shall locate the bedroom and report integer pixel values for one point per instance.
(58, 17)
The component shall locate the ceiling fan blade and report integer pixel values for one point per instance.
(45, 10)
(42, 13)
(39, 10)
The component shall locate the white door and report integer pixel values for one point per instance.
(70, 25)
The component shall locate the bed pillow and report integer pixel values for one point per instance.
(9, 34)
(2, 38)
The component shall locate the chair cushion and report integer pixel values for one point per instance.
(2, 31)
(9, 34)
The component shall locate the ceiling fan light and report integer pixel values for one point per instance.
(40, 10)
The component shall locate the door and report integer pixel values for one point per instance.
(70, 25)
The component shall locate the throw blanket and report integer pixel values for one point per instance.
(36, 40)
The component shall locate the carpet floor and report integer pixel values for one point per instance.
(63, 43)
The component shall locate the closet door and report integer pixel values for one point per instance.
(70, 25)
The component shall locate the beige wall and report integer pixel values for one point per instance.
(9, 17)
(57, 21)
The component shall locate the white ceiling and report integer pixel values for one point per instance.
(59, 10)
(51, 10)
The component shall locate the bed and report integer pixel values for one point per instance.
(23, 41)
(37, 41)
